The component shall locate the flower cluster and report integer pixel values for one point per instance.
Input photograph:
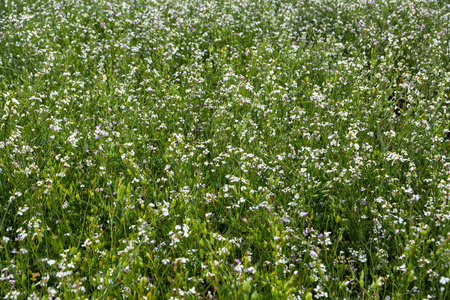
(206, 149)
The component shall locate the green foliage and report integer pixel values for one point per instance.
(224, 149)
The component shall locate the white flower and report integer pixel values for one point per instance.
(52, 291)
(444, 280)
(51, 262)
(12, 295)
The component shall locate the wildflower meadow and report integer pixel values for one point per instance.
(224, 149)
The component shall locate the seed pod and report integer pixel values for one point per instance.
(255, 296)
(361, 279)
(246, 287)
(142, 283)
(338, 219)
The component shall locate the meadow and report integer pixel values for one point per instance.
(224, 149)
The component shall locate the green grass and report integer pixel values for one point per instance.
(224, 149)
